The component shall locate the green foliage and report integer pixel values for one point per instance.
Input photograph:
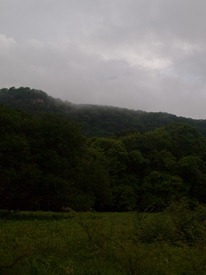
(46, 162)
(172, 242)
(115, 154)
(160, 188)
(95, 120)
(37, 158)
(124, 197)
(179, 224)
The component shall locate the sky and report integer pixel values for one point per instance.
(145, 55)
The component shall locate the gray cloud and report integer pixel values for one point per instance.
(147, 55)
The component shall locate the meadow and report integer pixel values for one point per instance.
(170, 242)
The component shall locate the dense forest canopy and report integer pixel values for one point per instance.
(49, 161)
(95, 120)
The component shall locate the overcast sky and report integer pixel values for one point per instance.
(140, 54)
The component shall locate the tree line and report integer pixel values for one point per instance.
(46, 163)
(95, 120)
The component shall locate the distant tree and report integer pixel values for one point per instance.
(186, 140)
(115, 154)
(124, 198)
(192, 170)
(161, 188)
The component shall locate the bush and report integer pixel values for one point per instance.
(178, 224)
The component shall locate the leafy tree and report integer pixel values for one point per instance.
(186, 140)
(38, 157)
(92, 179)
(192, 170)
(124, 197)
(161, 188)
(115, 154)
(53, 193)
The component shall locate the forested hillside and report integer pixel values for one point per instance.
(48, 163)
(95, 120)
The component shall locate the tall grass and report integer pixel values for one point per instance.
(172, 242)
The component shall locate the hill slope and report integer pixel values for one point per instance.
(95, 120)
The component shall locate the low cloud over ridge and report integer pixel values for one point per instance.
(147, 55)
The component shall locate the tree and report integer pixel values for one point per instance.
(124, 198)
(161, 188)
(192, 170)
(115, 154)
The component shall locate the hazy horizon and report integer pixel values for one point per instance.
(142, 55)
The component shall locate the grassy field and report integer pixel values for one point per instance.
(172, 242)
